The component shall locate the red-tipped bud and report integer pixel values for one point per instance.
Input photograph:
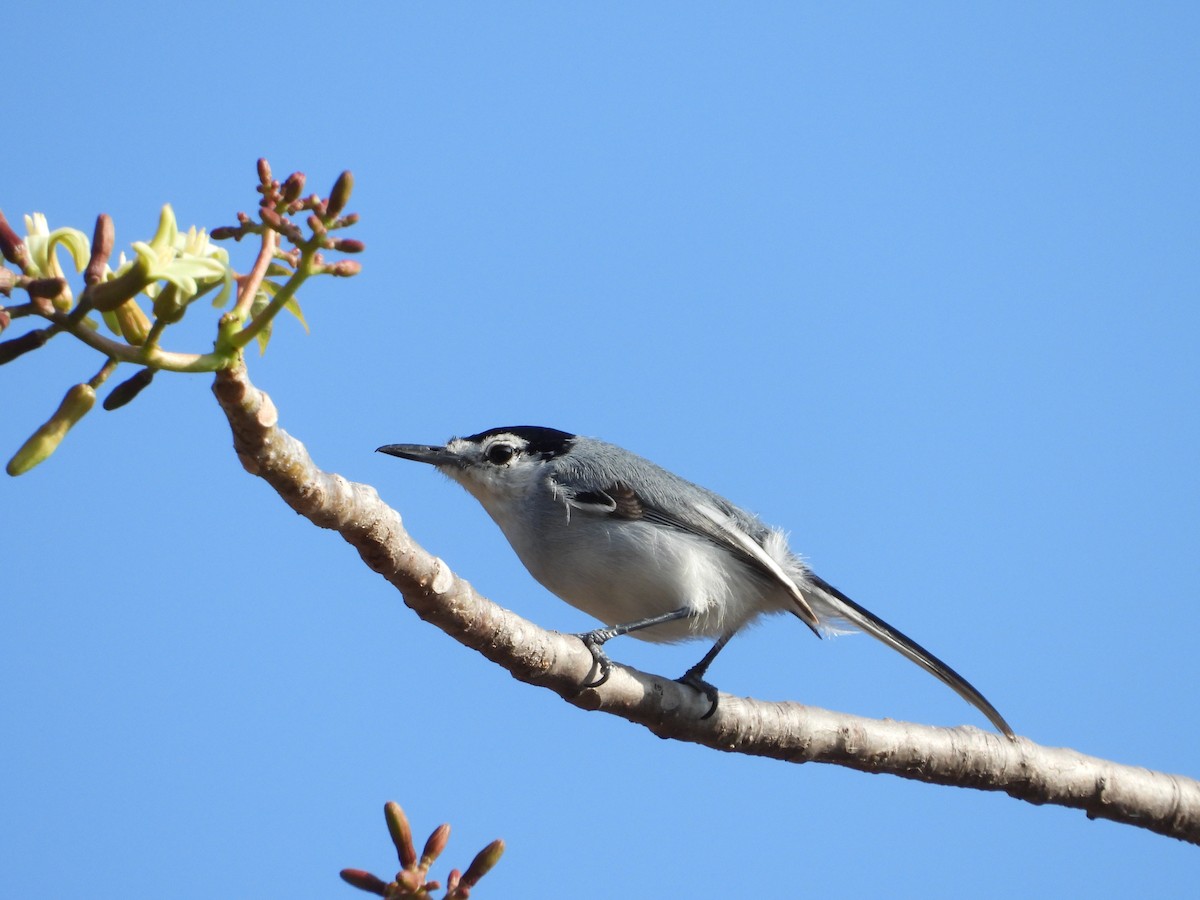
(18, 346)
(264, 171)
(125, 391)
(401, 833)
(364, 881)
(349, 245)
(434, 846)
(12, 246)
(483, 863)
(102, 247)
(340, 195)
(293, 187)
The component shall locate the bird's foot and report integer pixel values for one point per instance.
(693, 679)
(594, 641)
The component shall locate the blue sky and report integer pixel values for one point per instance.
(918, 284)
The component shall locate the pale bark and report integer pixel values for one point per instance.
(964, 757)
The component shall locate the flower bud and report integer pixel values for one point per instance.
(483, 863)
(225, 232)
(340, 195)
(102, 247)
(293, 187)
(281, 225)
(348, 245)
(128, 389)
(434, 846)
(18, 346)
(12, 246)
(133, 322)
(401, 832)
(264, 171)
(364, 881)
(167, 305)
(344, 268)
(46, 439)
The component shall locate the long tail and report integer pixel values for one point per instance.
(842, 607)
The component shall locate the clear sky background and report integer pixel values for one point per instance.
(918, 283)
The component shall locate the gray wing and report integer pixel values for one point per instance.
(599, 483)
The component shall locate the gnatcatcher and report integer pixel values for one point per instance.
(648, 553)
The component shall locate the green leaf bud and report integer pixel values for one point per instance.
(483, 863)
(133, 322)
(44, 441)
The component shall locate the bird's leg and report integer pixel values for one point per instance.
(596, 639)
(694, 677)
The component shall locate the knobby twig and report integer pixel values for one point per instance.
(962, 757)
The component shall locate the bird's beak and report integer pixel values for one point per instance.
(435, 456)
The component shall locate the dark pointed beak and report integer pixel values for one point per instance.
(435, 456)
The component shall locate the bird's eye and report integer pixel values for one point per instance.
(500, 453)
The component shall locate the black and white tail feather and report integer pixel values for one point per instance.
(829, 612)
(838, 609)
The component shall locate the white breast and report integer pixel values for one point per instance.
(621, 571)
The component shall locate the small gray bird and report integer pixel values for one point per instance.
(648, 553)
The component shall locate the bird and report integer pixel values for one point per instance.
(649, 553)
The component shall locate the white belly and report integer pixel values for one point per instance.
(622, 571)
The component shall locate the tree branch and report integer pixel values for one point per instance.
(963, 757)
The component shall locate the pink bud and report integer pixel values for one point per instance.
(364, 881)
(340, 195)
